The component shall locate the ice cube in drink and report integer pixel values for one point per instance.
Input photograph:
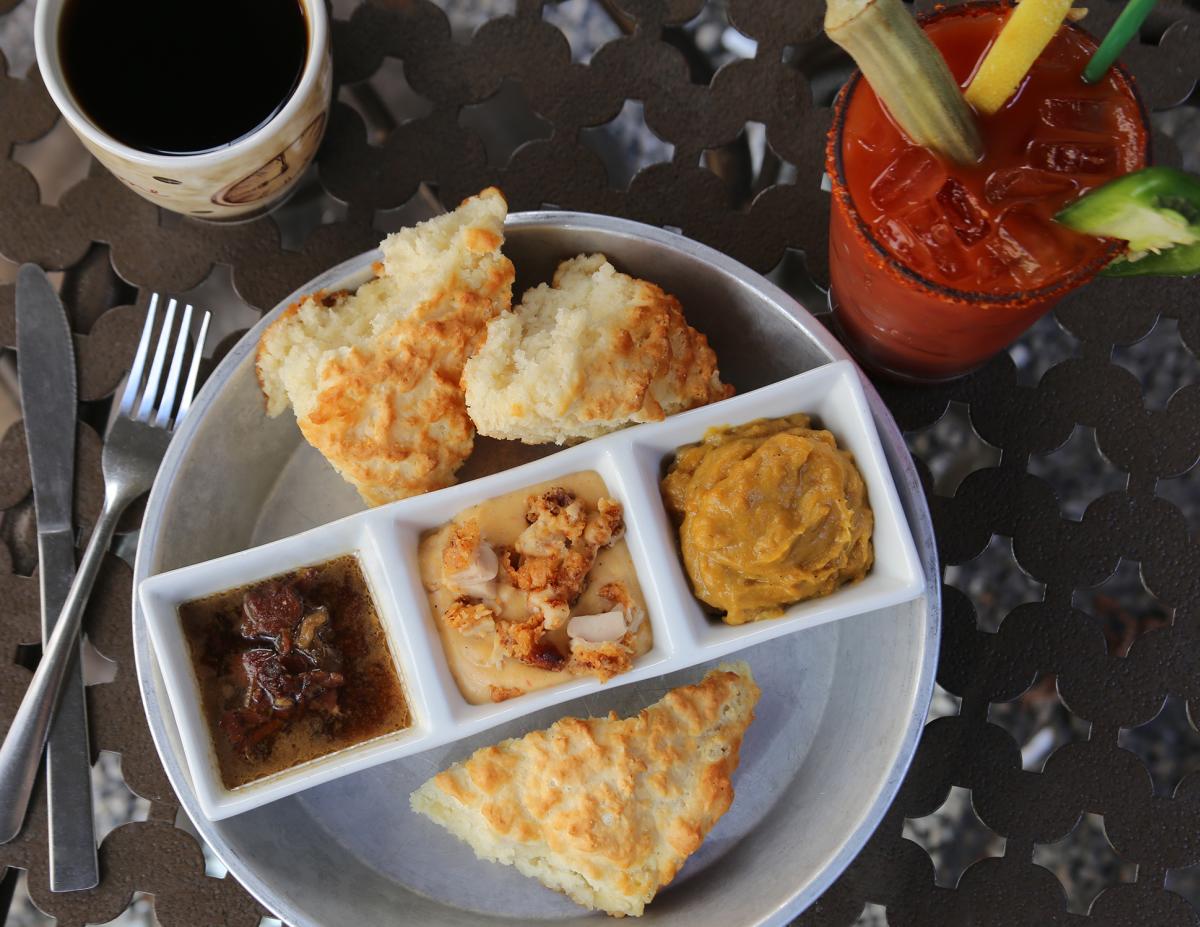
(1095, 117)
(911, 177)
(897, 238)
(1073, 157)
(963, 212)
(1013, 184)
(1020, 243)
(927, 223)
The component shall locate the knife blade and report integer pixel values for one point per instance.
(46, 376)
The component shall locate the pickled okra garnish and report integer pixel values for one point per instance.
(908, 74)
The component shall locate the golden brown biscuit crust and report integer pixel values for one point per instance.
(382, 400)
(594, 351)
(606, 810)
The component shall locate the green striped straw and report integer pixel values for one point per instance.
(1120, 35)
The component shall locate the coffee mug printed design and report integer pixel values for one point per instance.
(234, 182)
(279, 173)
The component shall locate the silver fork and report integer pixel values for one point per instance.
(134, 445)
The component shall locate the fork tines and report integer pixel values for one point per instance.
(155, 408)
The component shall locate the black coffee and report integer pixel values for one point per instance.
(181, 77)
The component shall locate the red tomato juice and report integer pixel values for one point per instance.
(936, 266)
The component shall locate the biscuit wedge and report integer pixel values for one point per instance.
(604, 810)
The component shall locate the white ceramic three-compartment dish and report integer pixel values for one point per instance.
(385, 541)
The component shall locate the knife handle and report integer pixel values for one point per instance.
(73, 864)
(21, 752)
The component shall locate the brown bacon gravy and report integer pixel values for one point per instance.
(292, 668)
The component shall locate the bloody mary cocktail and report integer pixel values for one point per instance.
(937, 266)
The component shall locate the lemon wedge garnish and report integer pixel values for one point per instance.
(1029, 29)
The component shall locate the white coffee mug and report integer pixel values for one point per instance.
(237, 181)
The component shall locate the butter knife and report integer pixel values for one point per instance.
(46, 374)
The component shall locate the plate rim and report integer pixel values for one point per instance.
(907, 481)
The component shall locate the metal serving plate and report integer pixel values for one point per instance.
(842, 706)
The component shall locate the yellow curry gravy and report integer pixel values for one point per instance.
(293, 668)
(481, 674)
(770, 513)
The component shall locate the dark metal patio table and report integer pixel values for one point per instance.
(1056, 782)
